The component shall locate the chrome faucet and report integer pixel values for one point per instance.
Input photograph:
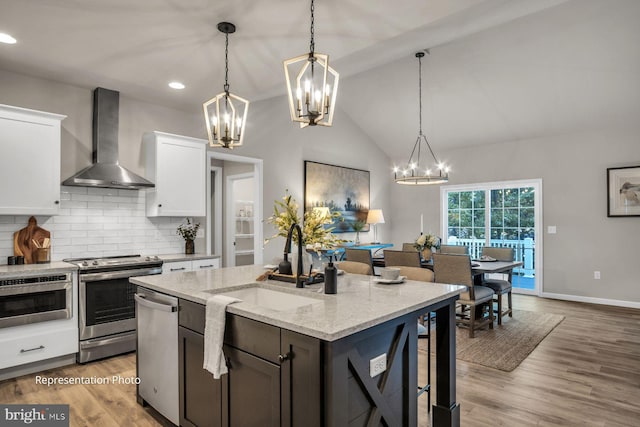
(286, 265)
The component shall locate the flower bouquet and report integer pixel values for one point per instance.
(425, 243)
(188, 233)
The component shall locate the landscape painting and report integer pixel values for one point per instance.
(341, 189)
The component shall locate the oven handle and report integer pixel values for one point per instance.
(142, 300)
(120, 274)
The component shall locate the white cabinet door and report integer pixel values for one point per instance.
(177, 165)
(177, 266)
(204, 264)
(30, 161)
(194, 265)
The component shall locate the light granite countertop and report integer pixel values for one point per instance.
(360, 303)
(24, 270)
(184, 257)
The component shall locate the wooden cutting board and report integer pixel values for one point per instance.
(23, 240)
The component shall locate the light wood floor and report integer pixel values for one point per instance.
(586, 372)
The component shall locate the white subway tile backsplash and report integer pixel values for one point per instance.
(86, 197)
(74, 190)
(102, 220)
(95, 222)
(71, 204)
(69, 219)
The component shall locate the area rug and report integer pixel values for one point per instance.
(503, 347)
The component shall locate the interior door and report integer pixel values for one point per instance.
(240, 236)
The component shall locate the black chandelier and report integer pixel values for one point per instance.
(416, 171)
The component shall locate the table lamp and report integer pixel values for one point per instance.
(375, 217)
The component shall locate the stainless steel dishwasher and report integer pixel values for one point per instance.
(157, 317)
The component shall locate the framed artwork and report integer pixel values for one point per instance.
(623, 191)
(341, 189)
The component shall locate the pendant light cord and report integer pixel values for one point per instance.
(312, 44)
(226, 63)
(420, 91)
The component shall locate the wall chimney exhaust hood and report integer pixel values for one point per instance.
(105, 170)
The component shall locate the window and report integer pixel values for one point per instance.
(502, 214)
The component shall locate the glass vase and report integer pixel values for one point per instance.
(189, 247)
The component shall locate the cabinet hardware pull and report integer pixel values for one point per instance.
(160, 205)
(57, 202)
(206, 266)
(283, 357)
(178, 269)
(32, 349)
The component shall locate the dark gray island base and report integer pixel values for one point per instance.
(320, 363)
(279, 377)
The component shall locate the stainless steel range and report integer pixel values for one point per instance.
(106, 303)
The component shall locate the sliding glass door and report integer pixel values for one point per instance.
(500, 214)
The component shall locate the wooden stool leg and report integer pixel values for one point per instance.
(499, 309)
(472, 321)
(509, 304)
(491, 317)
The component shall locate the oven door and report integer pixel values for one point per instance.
(106, 301)
(23, 304)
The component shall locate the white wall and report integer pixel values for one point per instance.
(573, 171)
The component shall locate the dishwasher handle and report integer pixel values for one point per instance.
(143, 301)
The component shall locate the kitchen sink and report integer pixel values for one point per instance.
(271, 299)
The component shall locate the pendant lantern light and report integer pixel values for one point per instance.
(226, 114)
(417, 170)
(312, 85)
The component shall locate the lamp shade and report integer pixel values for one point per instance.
(375, 216)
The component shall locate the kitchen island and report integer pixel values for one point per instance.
(308, 358)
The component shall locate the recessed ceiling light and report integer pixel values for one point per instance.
(6, 38)
(176, 85)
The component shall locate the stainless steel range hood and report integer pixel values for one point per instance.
(105, 170)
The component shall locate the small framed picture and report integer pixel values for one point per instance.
(623, 191)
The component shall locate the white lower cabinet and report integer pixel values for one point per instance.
(191, 265)
(19, 347)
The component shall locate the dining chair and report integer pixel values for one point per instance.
(359, 255)
(500, 286)
(456, 269)
(355, 267)
(454, 249)
(408, 247)
(416, 273)
(394, 258)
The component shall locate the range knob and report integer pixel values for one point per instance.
(85, 264)
(95, 262)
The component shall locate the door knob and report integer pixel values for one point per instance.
(283, 357)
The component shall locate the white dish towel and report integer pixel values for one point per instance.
(214, 361)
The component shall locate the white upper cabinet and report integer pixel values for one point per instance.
(29, 161)
(177, 165)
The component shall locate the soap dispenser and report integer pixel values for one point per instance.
(330, 277)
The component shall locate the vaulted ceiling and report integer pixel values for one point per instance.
(499, 70)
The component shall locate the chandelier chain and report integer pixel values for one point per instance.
(420, 91)
(226, 63)
(312, 44)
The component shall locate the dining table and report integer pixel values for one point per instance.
(478, 267)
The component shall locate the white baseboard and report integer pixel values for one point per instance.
(591, 300)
